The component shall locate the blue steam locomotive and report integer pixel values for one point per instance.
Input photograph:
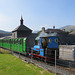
(44, 48)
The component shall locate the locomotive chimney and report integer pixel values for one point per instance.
(43, 29)
(53, 27)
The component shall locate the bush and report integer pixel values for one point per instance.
(4, 51)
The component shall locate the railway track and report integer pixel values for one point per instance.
(61, 69)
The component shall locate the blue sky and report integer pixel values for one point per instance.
(36, 13)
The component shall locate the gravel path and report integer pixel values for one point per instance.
(48, 67)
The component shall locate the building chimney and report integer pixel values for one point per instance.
(53, 27)
(21, 21)
(64, 30)
(43, 29)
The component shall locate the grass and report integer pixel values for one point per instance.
(3, 51)
(11, 65)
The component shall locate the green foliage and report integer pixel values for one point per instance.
(5, 51)
(71, 31)
(11, 65)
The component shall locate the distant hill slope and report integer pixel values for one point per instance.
(5, 33)
(2, 31)
(68, 28)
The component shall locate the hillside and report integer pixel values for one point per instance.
(68, 28)
(2, 31)
(5, 33)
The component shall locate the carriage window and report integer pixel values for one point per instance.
(8, 41)
(21, 41)
(50, 40)
(43, 40)
(14, 42)
(17, 41)
(11, 41)
(41, 51)
(36, 42)
(5, 41)
(56, 40)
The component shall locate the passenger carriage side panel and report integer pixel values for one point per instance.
(24, 45)
(20, 45)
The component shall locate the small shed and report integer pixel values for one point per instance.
(21, 30)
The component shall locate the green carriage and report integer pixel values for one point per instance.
(18, 45)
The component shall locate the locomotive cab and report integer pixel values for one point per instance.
(49, 45)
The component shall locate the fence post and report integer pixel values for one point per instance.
(74, 54)
(32, 54)
(12, 52)
(55, 62)
(69, 67)
(11, 47)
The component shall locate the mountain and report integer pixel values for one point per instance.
(68, 28)
(2, 31)
(5, 33)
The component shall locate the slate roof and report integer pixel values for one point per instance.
(54, 30)
(43, 34)
(21, 27)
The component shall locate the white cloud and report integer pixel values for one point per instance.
(4, 22)
(39, 27)
(4, 18)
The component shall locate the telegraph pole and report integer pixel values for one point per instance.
(69, 67)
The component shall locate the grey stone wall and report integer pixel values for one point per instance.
(18, 34)
(66, 52)
(14, 34)
(23, 33)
